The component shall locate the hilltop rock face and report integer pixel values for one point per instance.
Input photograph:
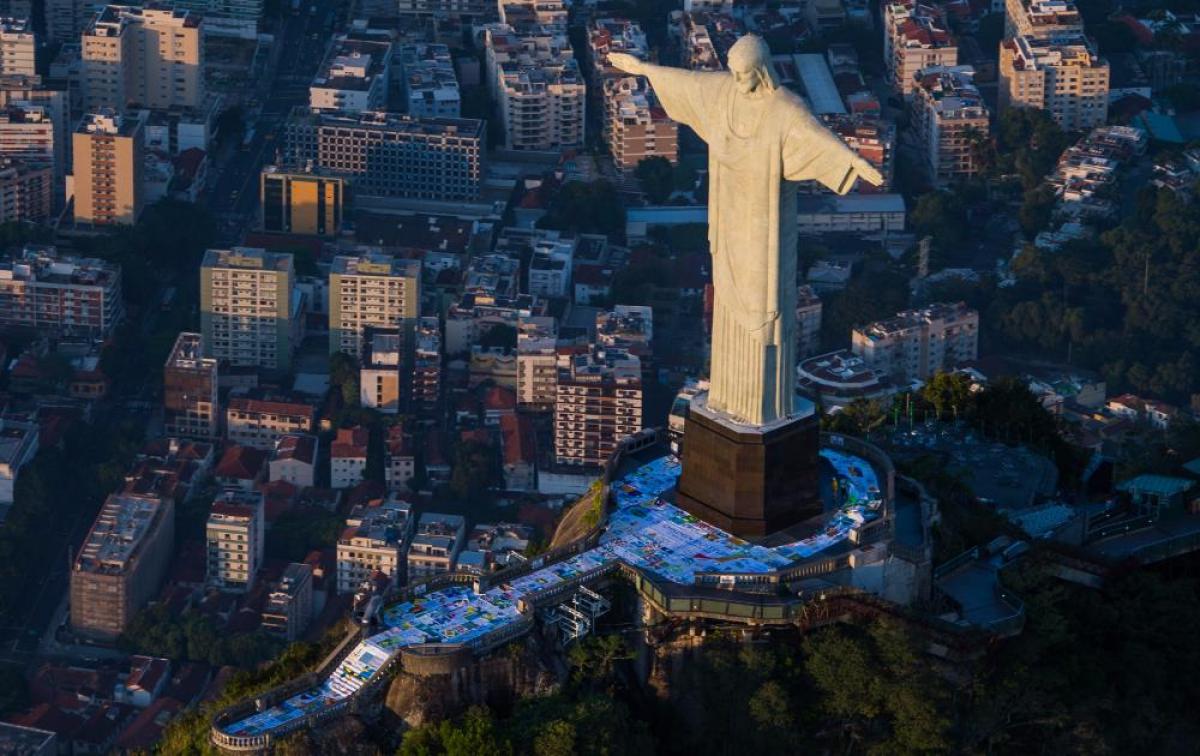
(497, 679)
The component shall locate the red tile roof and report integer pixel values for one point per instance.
(241, 463)
(350, 443)
(516, 433)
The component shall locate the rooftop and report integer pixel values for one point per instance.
(248, 258)
(113, 542)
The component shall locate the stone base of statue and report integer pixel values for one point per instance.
(751, 480)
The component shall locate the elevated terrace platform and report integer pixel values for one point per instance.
(674, 559)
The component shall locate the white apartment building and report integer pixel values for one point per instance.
(26, 191)
(259, 419)
(537, 363)
(371, 290)
(435, 545)
(249, 311)
(234, 533)
(353, 78)
(20, 90)
(27, 131)
(373, 541)
(535, 80)
(190, 408)
(348, 457)
(18, 47)
(916, 344)
(599, 403)
(1062, 75)
(915, 36)
(429, 82)
(153, 57)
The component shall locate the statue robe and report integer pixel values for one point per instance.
(752, 230)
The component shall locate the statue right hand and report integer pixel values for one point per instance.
(625, 62)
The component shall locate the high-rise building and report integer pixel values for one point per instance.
(248, 308)
(539, 91)
(60, 295)
(190, 406)
(435, 545)
(429, 82)
(1062, 75)
(289, 606)
(380, 387)
(19, 90)
(951, 120)
(537, 363)
(301, 203)
(916, 344)
(427, 364)
(18, 47)
(28, 131)
(371, 289)
(66, 19)
(635, 126)
(152, 57)
(1041, 19)
(121, 564)
(354, 76)
(26, 191)
(234, 533)
(222, 12)
(915, 36)
(373, 542)
(808, 321)
(599, 403)
(108, 152)
(385, 154)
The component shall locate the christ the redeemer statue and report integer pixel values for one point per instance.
(760, 138)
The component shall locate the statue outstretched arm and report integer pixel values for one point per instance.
(687, 96)
(813, 152)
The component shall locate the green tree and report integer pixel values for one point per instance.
(474, 471)
(657, 178)
(501, 335)
(948, 393)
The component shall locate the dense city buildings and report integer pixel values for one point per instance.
(380, 377)
(190, 406)
(428, 81)
(446, 8)
(289, 605)
(108, 152)
(373, 542)
(435, 545)
(151, 57)
(248, 307)
(354, 76)
(1062, 75)
(392, 155)
(916, 36)
(260, 418)
(538, 88)
(295, 202)
(951, 122)
(234, 534)
(915, 344)
(60, 295)
(18, 47)
(808, 321)
(371, 289)
(121, 564)
(599, 402)
(20, 138)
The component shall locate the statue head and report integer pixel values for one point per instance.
(750, 64)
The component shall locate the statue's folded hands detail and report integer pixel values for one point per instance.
(761, 138)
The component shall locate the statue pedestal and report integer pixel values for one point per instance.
(751, 480)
